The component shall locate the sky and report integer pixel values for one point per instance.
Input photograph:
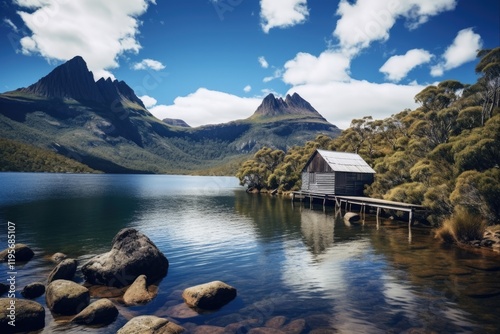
(213, 61)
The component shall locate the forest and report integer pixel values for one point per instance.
(444, 155)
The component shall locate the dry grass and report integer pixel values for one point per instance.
(461, 227)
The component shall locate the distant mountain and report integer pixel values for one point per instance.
(291, 105)
(176, 122)
(105, 126)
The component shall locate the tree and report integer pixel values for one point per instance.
(256, 172)
(489, 67)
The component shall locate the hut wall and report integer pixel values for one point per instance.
(352, 184)
(318, 182)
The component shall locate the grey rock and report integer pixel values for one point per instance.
(132, 254)
(29, 315)
(33, 290)
(151, 325)
(66, 297)
(22, 253)
(100, 312)
(65, 269)
(209, 296)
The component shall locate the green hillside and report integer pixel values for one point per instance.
(20, 157)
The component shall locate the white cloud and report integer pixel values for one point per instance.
(149, 64)
(397, 67)
(247, 88)
(282, 14)
(99, 31)
(462, 50)
(207, 107)
(277, 74)
(366, 21)
(148, 101)
(11, 24)
(263, 62)
(341, 102)
(306, 68)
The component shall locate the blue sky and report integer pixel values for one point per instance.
(212, 61)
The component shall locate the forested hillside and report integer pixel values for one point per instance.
(444, 155)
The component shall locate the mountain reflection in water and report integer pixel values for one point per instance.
(285, 260)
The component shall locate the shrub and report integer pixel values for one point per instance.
(461, 227)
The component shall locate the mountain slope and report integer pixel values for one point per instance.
(105, 125)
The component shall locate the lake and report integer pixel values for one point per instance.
(285, 260)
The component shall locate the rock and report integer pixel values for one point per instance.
(265, 330)
(29, 315)
(295, 327)
(33, 290)
(209, 296)
(351, 217)
(181, 311)
(207, 329)
(138, 292)
(23, 253)
(100, 312)
(151, 325)
(101, 291)
(58, 257)
(66, 297)
(276, 322)
(132, 254)
(66, 269)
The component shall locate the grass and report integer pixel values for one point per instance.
(461, 227)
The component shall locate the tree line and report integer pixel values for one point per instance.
(444, 155)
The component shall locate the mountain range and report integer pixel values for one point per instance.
(104, 125)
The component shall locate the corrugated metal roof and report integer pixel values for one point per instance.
(346, 162)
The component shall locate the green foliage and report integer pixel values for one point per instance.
(20, 157)
(444, 155)
(258, 172)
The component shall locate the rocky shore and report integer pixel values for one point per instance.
(125, 276)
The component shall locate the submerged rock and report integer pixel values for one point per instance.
(22, 253)
(138, 292)
(33, 290)
(101, 312)
(28, 315)
(66, 297)
(132, 254)
(66, 269)
(209, 296)
(58, 257)
(150, 324)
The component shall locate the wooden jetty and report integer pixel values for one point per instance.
(362, 202)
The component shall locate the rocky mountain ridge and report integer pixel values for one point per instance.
(105, 126)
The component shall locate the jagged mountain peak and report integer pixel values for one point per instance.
(292, 105)
(73, 80)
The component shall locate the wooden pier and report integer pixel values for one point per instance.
(362, 202)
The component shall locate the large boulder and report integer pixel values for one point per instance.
(132, 254)
(27, 315)
(209, 296)
(65, 269)
(150, 324)
(138, 292)
(22, 253)
(66, 297)
(100, 312)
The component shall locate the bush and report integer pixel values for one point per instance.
(461, 227)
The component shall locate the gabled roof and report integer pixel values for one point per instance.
(344, 162)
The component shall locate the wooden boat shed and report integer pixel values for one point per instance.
(336, 173)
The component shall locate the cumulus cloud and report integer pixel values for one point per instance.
(247, 88)
(99, 31)
(397, 67)
(282, 14)
(366, 21)
(306, 68)
(148, 101)
(152, 64)
(462, 50)
(207, 107)
(263, 62)
(341, 102)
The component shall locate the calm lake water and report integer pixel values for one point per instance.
(283, 259)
